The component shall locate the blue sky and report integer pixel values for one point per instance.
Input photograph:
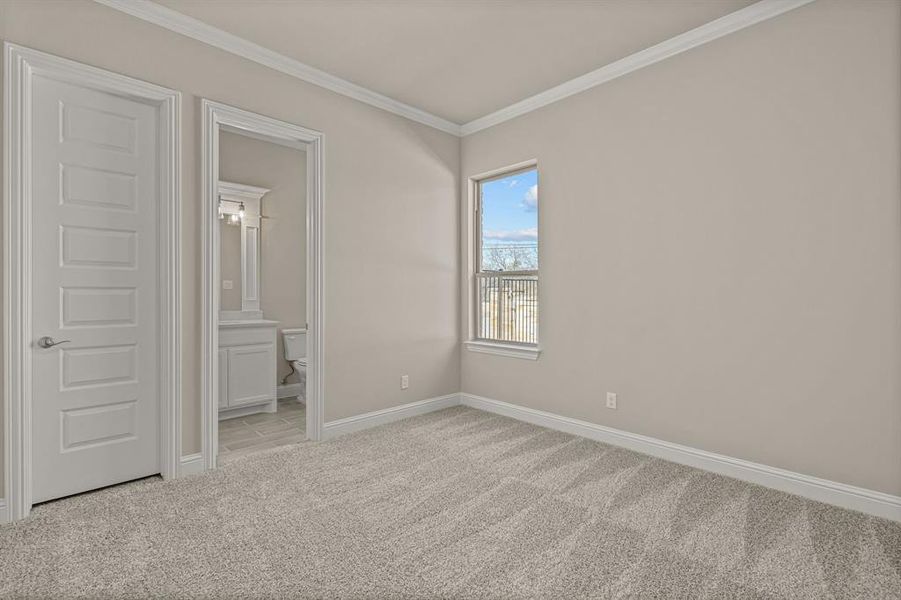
(510, 210)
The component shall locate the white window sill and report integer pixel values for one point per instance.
(508, 350)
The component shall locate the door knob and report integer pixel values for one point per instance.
(47, 342)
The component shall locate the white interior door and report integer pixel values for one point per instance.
(95, 182)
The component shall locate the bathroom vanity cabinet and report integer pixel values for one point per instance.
(247, 364)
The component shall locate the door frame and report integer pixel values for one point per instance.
(21, 65)
(215, 117)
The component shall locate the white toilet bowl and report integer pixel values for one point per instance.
(295, 342)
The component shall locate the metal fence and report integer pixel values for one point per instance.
(507, 307)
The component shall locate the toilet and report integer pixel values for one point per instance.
(295, 341)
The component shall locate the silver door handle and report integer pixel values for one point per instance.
(47, 342)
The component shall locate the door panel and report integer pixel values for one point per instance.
(98, 365)
(95, 407)
(98, 306)
(96, 188)
(98, 247)
(98, 424)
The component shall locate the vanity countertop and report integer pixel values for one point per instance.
(237, 323)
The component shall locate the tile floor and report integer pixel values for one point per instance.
(245, 435)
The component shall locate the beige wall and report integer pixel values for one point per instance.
(721, 245)
(283, 238)
(721, 235)
(391, 197)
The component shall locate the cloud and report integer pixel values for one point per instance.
(513, 183)
(516, 235)
(530, 200)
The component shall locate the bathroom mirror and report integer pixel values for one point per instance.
(239, 250)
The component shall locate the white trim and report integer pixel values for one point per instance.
(198, 30)
(508, 350)
(172, 20)
(240, 319)
(170, 284)
(237, 192)
(832, 492)
(4, 512)
(20, 67)
(389, 415)
(216, 117)
(851, 497)
(191, 464)
(736, 21)
(523, 165)
(288, 390)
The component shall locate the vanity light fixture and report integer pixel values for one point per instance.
(227, 214)
(238, 202)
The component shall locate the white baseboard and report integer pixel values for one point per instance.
(4, 512)
(191, 465)
(395, 413)
(288, 390)
(831, 492)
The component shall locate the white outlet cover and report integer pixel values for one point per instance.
(611, 400)
(404, 382)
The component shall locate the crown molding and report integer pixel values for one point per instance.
(745, 17)
(188, 26)
(200, 31)
(241, 191)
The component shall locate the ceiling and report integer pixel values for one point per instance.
(457, 59)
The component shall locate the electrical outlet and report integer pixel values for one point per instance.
(611, 400)
(404, 382)
(227, 284)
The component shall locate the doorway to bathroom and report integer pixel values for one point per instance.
(262, 383)
(262, 295)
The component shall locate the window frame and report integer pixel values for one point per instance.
(473, 343)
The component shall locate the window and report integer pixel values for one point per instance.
(506, 270)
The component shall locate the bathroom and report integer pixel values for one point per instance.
(262, 285)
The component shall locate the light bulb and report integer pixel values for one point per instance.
(241, 211)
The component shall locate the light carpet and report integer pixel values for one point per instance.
(455, 504)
